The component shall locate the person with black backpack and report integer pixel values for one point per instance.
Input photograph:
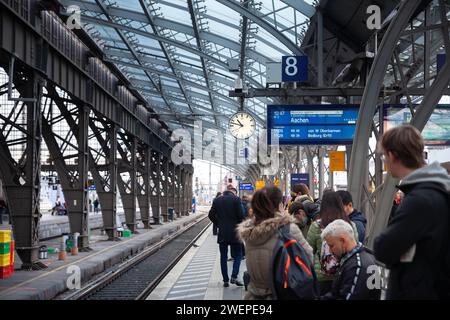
(261, 235)
(415, 245)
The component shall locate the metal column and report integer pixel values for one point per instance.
(144, 189)
(74, 178)
(155, 199)
(108, 193)
(21, 178)
(164, 184)
(128, 188)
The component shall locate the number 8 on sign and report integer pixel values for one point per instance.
(294, 68)
(291, 66)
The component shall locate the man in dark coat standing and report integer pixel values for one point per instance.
(354, 215)
(226, 212)
(356, 264)
(416, 243)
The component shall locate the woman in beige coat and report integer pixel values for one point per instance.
(260, 235)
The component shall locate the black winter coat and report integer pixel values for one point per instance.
(360, 222)
(422, 219)
(226, 212)
(351, 279)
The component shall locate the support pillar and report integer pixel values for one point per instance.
(21, 177)
(155, 199)
(164, 183)
(144, 189)
(128, 188)
(108, 194)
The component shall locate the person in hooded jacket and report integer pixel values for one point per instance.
(415, 243)
(354, 215)
(260, 234)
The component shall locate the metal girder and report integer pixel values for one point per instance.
(171, 187)
(128, 187)
(236, 6)
(155, 184)
(301, 6)
(165, 23)
(369, 102)
(228, 103)
(234, 104)
(133, 51)
(172, 76)
(21, 178)
(419, 120)
(177, 26)
(192, 13)
(165, 50)
(74, 181)
(106, 184)
(219, 63)
(143, 182)
(164, 185)
(219, 40)
(192, 69)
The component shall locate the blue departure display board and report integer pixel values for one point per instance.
(313, 124)
(297, 178)
(246, 186)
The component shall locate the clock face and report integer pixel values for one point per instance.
(242, 125)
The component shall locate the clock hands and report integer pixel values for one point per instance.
(237, 123)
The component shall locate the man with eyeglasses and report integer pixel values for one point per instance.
(415, 245)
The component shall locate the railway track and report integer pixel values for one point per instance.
(136, 278)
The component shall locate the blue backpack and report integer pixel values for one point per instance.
(293, 276)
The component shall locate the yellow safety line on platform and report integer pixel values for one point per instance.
(2, 293)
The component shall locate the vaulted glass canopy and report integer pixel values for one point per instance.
(177, 53)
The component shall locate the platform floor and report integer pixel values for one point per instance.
(197, 275)
(48, 283)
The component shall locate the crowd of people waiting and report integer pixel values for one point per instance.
(332, 233)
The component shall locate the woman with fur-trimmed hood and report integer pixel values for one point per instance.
(260, 236)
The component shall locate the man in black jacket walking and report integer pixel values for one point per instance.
(226, 212)
(356, 265)
(416, 240)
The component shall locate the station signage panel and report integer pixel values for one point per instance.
(337, 160)
(246, 186)
(294, 69)
(437, 129)
(260, 184)
(325, 124)
(297, 178)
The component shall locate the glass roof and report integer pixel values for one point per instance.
(176, 53)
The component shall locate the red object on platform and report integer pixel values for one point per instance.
(12, 256)
(5, 272)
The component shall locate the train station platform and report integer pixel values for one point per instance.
(50, 283)
(197, 275)
(54, 226)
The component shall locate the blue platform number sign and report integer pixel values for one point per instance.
(297, 178)
(294, 68)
